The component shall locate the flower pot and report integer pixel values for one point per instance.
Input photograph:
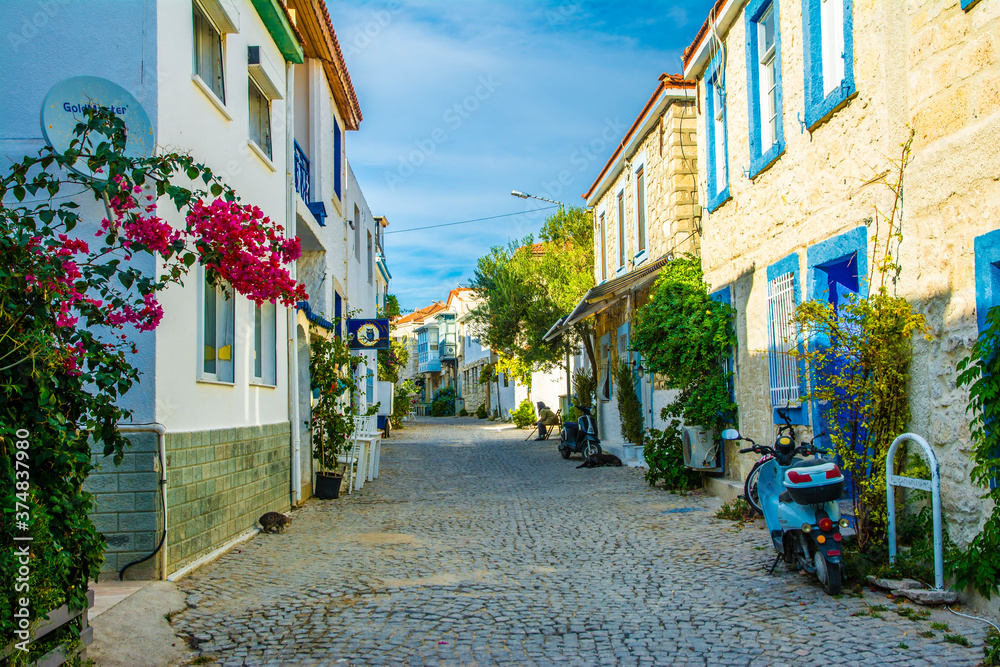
(328, 485)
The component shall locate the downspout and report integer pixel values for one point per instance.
(161, 445)
(291, 328)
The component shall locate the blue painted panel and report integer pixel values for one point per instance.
(337, 158)
(760, 158)
(725, 295)
(818, 106)
(790, 264)
(969, 4)
(987, 250)
(833, 252)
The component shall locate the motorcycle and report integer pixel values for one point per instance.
(580, 436)
(798, 498)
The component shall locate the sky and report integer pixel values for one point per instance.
(464, 101)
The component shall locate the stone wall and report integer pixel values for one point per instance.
(935, 67)
(220, 482)
(126, 505)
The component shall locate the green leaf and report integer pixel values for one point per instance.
(192, 173)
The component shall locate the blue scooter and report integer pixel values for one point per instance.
(799, 499)
(579, 436)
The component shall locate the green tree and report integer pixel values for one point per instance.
(686, 337)
(526, 287)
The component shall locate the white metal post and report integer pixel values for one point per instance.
(933, 485)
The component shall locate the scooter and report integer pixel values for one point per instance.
(579, 436)
(799, 499)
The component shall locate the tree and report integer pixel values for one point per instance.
(525, 287)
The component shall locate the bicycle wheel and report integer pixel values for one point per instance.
(750, 487)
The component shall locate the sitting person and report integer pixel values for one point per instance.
(545, 418)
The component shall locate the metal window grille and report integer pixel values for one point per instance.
(782, 339)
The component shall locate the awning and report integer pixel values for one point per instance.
(608, 293)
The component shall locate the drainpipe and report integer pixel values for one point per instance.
(160, 430)
(292, 327)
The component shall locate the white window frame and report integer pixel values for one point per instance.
(357, 232)
(832, 44)
(602, 222)
(264, 356)
(264, 104)
(198, 74)
(782, 338)
(767, 70)
(226, 334)
(641, 209)
(622, 237)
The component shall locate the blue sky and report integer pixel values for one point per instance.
(465, 101)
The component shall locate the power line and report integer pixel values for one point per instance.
(464, 222)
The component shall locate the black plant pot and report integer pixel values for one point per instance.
(328, 486)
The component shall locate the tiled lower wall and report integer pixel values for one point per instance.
(220, 482)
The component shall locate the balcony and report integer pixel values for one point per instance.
(303, 185)
(302, 179)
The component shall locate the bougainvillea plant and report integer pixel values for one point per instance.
(82, 261)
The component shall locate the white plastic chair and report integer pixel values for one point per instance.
(366, 430)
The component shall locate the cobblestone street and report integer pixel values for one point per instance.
(476, 548)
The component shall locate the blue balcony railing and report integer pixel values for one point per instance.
(302, 173)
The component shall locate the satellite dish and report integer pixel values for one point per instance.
(64, 107)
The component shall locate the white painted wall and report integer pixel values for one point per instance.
(190, 122)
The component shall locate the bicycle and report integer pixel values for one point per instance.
(750, 483)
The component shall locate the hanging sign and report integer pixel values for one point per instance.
(64, 107)
(368, 334)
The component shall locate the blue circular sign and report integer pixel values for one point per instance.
(64, 107)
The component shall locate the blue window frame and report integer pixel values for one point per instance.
(337, 157)
(715, 124)
(835, 266)
(725, 296)
(828, 43)
(785, 375)
(767, 136)
(968, 4)
(987, 250)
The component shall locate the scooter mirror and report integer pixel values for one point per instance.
(730, 434)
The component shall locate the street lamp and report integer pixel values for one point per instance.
(525, 195)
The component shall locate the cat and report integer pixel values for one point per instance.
(600, 460)
(274, 521)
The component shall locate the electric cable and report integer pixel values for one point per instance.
(464, 222)
(975, 618)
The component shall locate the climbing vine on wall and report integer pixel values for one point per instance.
(979, 565)
(858, 357)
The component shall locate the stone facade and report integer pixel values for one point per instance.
(933, 67)
(662, 142)
(220, 482)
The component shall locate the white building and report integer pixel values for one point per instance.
(258, 92)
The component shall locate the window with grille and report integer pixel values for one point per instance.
(782, 339)
(621, 229)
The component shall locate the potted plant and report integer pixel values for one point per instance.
(333, 417)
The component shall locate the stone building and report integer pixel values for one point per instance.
(803, 106)
(645, 212)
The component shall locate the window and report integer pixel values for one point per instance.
(208, 56)
(338, 159)
(715, 126)
(640, 209)
(621, 229)
(265, 324)
(357, 233)
(371, 259)
(828, 37)
(602, 231)
(764, 84)
(781, 336)
(369, 385)
(218, 325)
(787, 376)
(987, 262)
(260, 118)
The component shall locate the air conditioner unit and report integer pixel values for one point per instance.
(701, 450)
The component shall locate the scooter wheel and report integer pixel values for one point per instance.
(565, 452)
(590, 449)
(832, 585)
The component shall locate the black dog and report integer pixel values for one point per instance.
(600, 460)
